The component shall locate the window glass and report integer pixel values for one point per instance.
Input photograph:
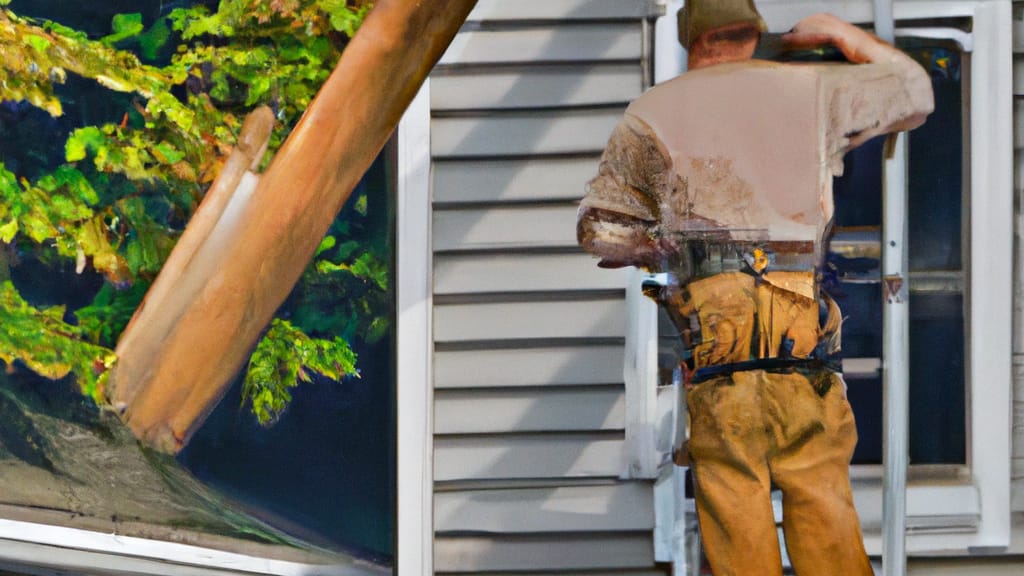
(316, 481)
(935, 208)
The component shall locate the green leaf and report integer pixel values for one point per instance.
(167, 153)
(83, 140)
(283, 358)
(154, 39)
(124, 26)
(8, 230)
(39, 43)
(326, 244)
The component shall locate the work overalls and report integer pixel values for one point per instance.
(768, 407)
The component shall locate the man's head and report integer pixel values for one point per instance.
(715, 31)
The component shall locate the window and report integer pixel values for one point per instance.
(936, 199)
(960, 207)
(241, 497)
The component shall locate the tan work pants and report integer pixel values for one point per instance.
(751, 429)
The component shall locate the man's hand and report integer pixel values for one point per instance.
(862, 47)
(858, 46)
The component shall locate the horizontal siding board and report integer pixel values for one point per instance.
(548, 366)
(543, 552)
(1018, 74)
(488, 273)
(610, 508)
(525, 320)
(491, 10)
(1017, 440)
(468, 411)
(528, 456)
(512, 180)
(1018, 32)
(536, 87)
(505, 228)
(523, 133)
(547, 43)
(1018, 123)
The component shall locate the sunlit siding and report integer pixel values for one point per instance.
(529, 401)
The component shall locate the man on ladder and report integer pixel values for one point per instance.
(722, 178)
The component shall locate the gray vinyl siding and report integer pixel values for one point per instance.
(1017, 464)
(529, 400)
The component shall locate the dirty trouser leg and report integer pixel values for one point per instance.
(732, 487)
(816, 436)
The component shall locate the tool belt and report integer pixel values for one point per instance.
(742, 320)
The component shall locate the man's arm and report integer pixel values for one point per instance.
(889, 92)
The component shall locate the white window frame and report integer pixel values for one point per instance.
(414, 533)
(969, 513)
(49, 549)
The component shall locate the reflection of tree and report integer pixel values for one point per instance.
(64, 461)
(84, 231)
(173, 92)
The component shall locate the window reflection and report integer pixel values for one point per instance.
(322, 475)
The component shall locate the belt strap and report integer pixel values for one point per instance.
(774, 365)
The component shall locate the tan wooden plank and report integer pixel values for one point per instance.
(474, 411)
(600, 552)
(603, 318)
(512, 180)
(536, 87)
(488, 273)
(562, 10)
(561, 365)
(523, 133)
(505, 228)
(528, 456)
(547, 43)
(627, 506)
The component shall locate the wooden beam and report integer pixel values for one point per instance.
(179, 354)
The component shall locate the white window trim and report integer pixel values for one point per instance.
(414, 535)
(47, 547)
(972, 514)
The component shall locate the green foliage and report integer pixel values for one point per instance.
(48, 345)
(124, 26)
(103, 320)
(118, 202)
(346, 290)
(283, 358)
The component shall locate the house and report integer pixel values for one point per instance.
(504, 502)
(534, 430)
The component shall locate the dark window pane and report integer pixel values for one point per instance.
(936, 166)
(937, 413)
(935, 206)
